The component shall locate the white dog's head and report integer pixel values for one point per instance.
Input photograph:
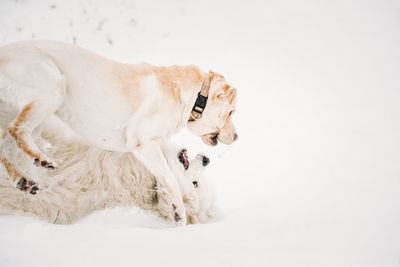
(216, 121)
(198, 195)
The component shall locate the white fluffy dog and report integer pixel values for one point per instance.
(90, 179)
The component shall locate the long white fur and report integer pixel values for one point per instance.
(90, 179)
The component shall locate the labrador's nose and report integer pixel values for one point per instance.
(236, 137)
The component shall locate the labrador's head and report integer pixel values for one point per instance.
(216, 122)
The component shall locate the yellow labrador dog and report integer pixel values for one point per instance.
(113, 106)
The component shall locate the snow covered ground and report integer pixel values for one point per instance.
(315, 177)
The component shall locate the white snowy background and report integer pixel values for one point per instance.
(315, 177)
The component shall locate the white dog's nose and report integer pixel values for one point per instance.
(236, 137)
(205, 161)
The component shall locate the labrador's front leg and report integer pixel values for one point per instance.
(149, 153)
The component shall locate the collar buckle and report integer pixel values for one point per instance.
(201, 100)
(199, 106)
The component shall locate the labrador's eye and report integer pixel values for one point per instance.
(230, 113)
(195, 184)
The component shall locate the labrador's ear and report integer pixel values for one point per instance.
(227, 93)
(215, 77)
(231, 95)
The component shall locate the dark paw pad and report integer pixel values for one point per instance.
(36, 162)
(34, 190)
(50, 166)
(22, 183)
(177, 218)
(27, 186)
(176, 215)
(44, 164)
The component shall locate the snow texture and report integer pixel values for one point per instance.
(315, 177)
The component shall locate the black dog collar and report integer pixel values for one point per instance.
(201, 100)
(199, 106)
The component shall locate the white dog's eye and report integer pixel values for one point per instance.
(195, 184)
(230, 113)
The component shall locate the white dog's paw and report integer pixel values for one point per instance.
(192, 219)
(170, 207)
(179, 215)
